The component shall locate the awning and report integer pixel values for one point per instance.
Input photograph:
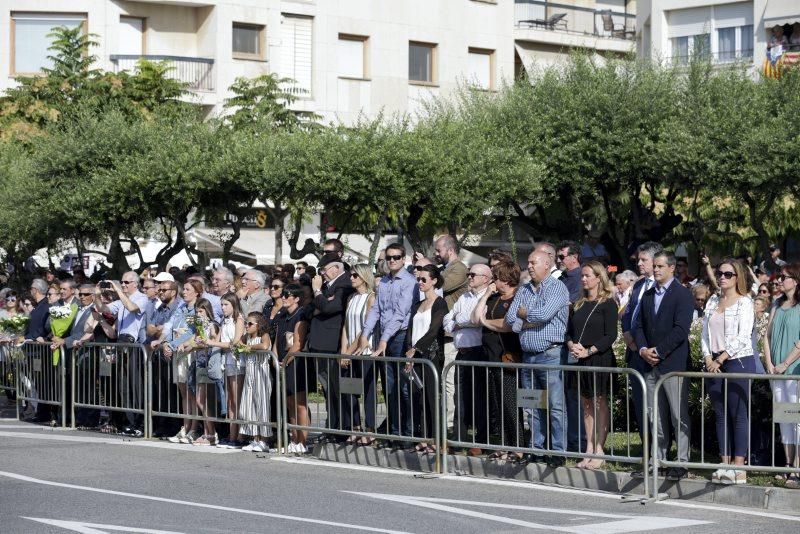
(781, 12)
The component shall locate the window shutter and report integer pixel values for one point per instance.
(296, 51)
(685, 22)
(732, 15)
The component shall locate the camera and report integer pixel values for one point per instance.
(106, 285)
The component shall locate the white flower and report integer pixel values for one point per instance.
(59, 312)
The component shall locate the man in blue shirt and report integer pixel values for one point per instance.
(397, 292)
(539, 313)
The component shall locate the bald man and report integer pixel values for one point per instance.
(539, 313)
(471, 397)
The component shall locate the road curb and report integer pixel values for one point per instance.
(695, 490)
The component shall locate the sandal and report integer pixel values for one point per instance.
(792, 481)
(365, 441)
(498, 455)
(591, 465)
(784, 476)
(430, 449)
(421, 447)
(516, 457)
(108, 428)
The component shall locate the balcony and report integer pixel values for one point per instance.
(574, 20)
(196, 72)
(717, 58)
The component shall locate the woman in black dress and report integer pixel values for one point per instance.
(591, 332)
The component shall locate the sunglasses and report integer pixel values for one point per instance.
(354, 276)
(275, 287)
(562, 256)
(84, 294)
(251, 323)
(473, 275)
(11, 299)
(396, 257)
(782, 277)
(125, 282)
(725, 274)
(422, 280)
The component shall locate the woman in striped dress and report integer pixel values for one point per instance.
(257, 387)
(358, 306)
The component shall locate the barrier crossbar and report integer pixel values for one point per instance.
(196, 387)
(503, 381)
(409, 386)
(790, 412)
(110, 377)
(39, 380)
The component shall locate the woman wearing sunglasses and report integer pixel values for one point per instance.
(782, 356)
(425, 337)
(727, 347)
(12, 306)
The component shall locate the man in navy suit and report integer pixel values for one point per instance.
(661, 333)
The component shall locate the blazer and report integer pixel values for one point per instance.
(433, 339)
(328, 311)
(78, 328)
(633, 301)
(667, 330)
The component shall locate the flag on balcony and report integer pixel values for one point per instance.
(787, 59)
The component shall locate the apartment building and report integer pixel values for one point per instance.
(725, 30)
(545, 32)
(347, 56)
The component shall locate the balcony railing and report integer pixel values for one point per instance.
(196, 72)
(573, 19)
(730, 56)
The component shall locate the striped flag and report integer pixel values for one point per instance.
(787, 59)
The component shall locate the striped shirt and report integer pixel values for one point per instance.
(547, 312)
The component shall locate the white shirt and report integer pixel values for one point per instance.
(458, 322)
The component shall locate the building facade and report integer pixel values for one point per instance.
(724, 30)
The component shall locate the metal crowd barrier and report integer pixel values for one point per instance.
(110, 377)
(38, 380)
(782, 412)
(353, 405)
(8, 375)
(179, 381)
(501, 383)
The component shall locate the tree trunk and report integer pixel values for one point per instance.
(376, 238)
(227, 245)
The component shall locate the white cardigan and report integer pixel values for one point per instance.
(739, 323)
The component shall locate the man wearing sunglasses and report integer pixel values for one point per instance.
(332, 288)
(390, 316)
(569, 262)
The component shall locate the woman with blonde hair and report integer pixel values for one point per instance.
(358, 306)
(591, 332)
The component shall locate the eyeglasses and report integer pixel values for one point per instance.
(162, 290)
(354, 276)
(422, 280)
(562, 256)
(725, 274)
(275, 287)
(396, 257)
(251, 323)
(11, 299)
(84, 294)
(782, 277)
(125, 282)
(473, 275)
(286, 295)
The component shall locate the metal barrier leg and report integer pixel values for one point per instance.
(72, 387)
(63, 391)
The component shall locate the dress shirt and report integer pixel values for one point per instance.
(648, 283)
(458, 321)
(547, 313)
(392, 309)
(660, 291)
(128, 322)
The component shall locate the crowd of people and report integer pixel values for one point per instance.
(568, 308)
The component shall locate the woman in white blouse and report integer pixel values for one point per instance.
(728, 348)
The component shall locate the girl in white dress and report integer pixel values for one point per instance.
(257, 387)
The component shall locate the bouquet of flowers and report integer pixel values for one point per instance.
(14, 325)
(60, 320)
(201, 326)
(241, 348)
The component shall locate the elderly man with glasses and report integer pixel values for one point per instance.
(252, 295)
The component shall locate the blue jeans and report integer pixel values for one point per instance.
(552, 382)
(398, 394)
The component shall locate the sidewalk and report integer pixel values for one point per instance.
(701, 491)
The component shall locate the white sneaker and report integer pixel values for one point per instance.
(189, 437)
(256, 446)
(715, 476)
(292, 448)
(249, 446)
(178, 437)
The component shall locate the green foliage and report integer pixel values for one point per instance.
(264, 103)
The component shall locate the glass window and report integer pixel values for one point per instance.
(747, 41)
(480, 68)
(351, 56)
(701, 46)
(420, 62)
(247, 40)
(680, 50)
(131, 36)
(726, 44)
(31, 38)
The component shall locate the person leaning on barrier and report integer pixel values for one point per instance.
(727, 346)
(471, 394)
(257, 387)
(661, 331)
(591, 333)
(360, 302)
(332, 288)
(501, 345)
(782, 356)
(390, 316)
(539, 314)
(425, 339)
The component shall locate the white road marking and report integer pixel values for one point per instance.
(627, 524)
(205, 506)
(94, 528)
(723, 508)
(352, 467)
(137, 442)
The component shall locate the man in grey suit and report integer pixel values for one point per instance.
(66, 344)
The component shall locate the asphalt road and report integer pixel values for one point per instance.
(58, 481)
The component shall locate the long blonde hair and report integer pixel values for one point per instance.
(604, 289)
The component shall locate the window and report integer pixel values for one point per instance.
(131, 36)
(352, 56)
(726, 44)
(421, 62)
(296, 52)
(746, 47)
(690, 46)
(248, 41)
(30, 41)
(481, 68)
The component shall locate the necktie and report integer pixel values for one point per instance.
(647, 284)
(659, 294)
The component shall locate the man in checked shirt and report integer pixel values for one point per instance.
(539, 313)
